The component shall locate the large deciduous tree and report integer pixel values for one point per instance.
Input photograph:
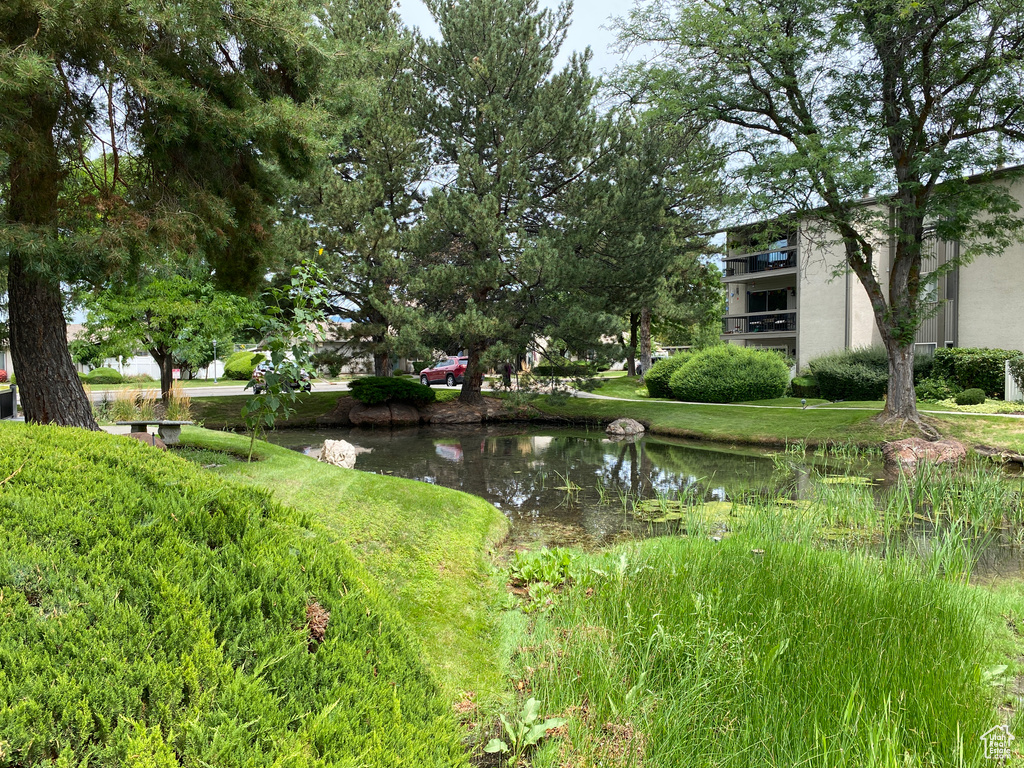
(134, 130)
(827, 102)
(510, 136)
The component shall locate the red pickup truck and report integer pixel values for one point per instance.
(449, 370)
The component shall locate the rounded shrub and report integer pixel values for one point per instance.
(376, 390)
(970, 397)
(103, 376)
(730, 374)
(240, 365)
(935, 389)
(657, 379)
(192, 621)
(805, 386)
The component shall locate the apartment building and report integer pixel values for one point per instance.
(792, 294)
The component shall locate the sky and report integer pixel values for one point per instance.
(591, 22)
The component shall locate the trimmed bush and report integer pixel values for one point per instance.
(975, 368)
(730, 374)
(805, 386)
(240, 365)
(657, 379)
(970, 397)
(860, 374)
(103, 376)
(157, 615)
(139, 378)
(375, 390)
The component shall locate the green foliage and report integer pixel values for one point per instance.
(861, 373)
(935, 389)
(657, 379)
(804, 386)
(975, 368)
(773, 644)
(553, 565)
(240, 365)
(290, 337)
(970, 397)
(567, 369)
(156, 614)
(330, 361)
(511, 139)
(374, 390)
(524, 731)
(138, 378)
(103, 376)
(729, 374)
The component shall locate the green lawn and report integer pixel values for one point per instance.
(427, 546)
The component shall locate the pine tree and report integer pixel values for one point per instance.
(359, 209)
(131, 132)
(511, 136)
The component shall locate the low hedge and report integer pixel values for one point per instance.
(567, 369)
(840, 379)
(975, 368)
(730, 374)
(805, 386)
(657, 379)
(103, 376)
(376, 390)
(157, 615)
(240, 365)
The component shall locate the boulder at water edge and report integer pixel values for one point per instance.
(625, 428)
(907, 454)
(339, 453)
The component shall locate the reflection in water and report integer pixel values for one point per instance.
(573, 487)
(556, 486)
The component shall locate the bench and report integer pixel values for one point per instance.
(169, 431)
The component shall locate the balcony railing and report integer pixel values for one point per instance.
(767, 261)
(760, 322)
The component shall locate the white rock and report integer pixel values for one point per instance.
(339, 453)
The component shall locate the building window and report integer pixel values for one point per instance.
(926, 349)
(767, 301)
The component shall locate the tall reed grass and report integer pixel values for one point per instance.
(704, 654)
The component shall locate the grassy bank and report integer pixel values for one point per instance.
(156, 615)
(427, 545)
(687, 652)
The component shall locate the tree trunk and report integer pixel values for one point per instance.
(645, 339)
(634, 325)
(49, 389)
(473, 379)
(166, 363)
(382, 364)
(901, 400)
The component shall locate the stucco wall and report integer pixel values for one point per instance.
(821, 300)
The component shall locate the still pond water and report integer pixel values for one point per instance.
(578, 488)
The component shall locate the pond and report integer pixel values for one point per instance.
(573, 487)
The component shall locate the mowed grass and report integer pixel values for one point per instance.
(426, 545)
(686, 652)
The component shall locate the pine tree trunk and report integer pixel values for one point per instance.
(634, 326)
(473, 379)
(49, 389)
(381, 364)
(645, 339)
(901, 400)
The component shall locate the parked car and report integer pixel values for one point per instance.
(303, 384)
(449, 370)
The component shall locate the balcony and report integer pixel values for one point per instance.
(776, 323)
(740, 267)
